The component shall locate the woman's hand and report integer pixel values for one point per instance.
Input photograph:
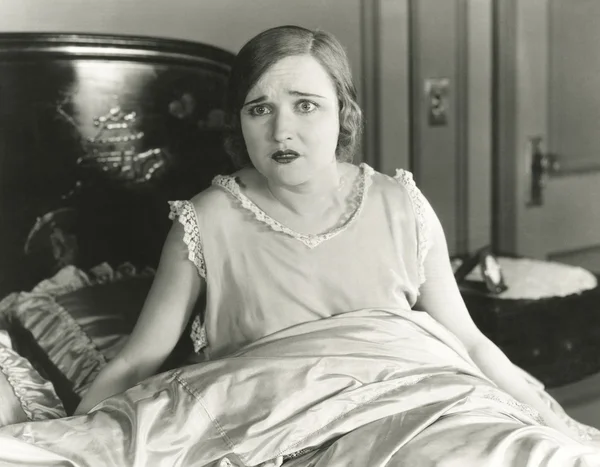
(554, 421)
(115, 377)
(496, 366)
(441, 298)
(163, 318)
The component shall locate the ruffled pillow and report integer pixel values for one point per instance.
(72, 324)
(24, 394)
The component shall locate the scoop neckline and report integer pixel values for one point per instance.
(358, 195)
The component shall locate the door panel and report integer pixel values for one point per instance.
(574, 101)
(438, 159)
(555, 80)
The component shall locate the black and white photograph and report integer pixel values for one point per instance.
(299, 233)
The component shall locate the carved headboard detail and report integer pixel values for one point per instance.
(97, 132)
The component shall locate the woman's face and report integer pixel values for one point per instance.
(290, 121)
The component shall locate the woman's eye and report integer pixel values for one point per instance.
(259, 110)
(307, 106)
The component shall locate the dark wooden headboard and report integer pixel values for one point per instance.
(97, 132)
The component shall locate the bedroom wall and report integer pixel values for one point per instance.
(223, 23)
(453, 160)
(226, 23)
(456, 177)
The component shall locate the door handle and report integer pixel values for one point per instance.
(542, 165)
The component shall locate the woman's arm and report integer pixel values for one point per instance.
(441, 298)
(164, 316)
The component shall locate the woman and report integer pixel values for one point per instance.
(313, 270)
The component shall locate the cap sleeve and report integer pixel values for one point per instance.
(184, 212)
(419, 204)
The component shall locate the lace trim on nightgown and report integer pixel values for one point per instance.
(423, 232)
(310, 240)
(184, 212)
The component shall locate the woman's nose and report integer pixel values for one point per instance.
(283, 126)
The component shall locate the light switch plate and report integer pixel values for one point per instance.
(437, 100)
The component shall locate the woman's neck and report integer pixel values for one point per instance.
(323, 193)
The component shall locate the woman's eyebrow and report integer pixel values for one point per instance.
(291, 92)
(255, 101)
(305, 94)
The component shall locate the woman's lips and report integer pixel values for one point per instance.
(285, 157)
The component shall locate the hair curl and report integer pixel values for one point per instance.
(267, 48)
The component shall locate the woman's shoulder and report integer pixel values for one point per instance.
(215, 196)
(400, 191)
(401, 184)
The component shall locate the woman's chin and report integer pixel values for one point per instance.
(291, 174)
(287, 173)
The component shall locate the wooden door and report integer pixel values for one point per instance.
(547, 80)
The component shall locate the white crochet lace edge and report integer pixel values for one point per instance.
(185, 213)
(198, 335)
(423, 229)
(228, 183)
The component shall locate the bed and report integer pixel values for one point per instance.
(97, 132)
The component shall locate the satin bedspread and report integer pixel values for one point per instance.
(367, 388)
